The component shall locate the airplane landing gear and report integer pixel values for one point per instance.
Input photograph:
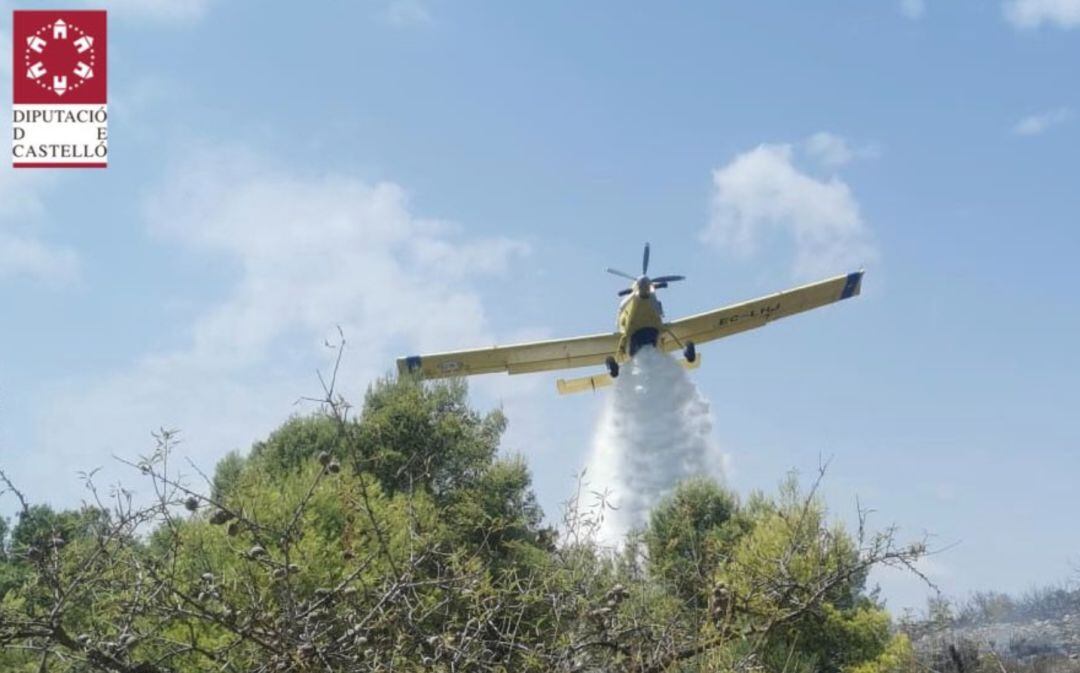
(612, 367)
(690, 352)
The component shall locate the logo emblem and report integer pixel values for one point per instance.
(57, 52)
(59, 111)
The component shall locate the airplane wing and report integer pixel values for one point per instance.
(537, 356)
(757, 312)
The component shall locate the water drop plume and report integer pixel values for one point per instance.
(655, 430)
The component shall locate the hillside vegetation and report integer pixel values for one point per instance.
(991, 631)
(397, 538)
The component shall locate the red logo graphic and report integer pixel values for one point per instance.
(59, 57)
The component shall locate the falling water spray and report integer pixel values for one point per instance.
(655, 431)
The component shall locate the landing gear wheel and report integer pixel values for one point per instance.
(690, 352)
(612, 367)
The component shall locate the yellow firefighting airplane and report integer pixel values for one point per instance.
(640, 323)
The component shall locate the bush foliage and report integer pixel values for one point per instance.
(397, 538)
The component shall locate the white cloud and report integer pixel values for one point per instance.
(1034, 13)
(20, 193)
(319, 251)
(833, 151)
(22, 254)
(829, 149)
(762, 193)
(1033, 125)
(28, 257)
(309, 252)
(913, 9)
(406, 13)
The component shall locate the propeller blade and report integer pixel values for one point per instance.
(645, 261)
(621, 273)
(659, 286)
(623, 293)
(668, 279)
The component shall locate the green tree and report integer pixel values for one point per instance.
(413, 438)
(775, 567)
(690, 535)
(413, 435)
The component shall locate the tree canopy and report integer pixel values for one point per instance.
(398, 538)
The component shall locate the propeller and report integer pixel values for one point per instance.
(657, 283)
(621, 273)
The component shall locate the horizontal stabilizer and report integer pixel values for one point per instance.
(568, 387)
(691, 365)
(585, 383)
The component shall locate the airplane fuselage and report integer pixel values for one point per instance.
(640, 320)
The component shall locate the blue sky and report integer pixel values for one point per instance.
(433, 175)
